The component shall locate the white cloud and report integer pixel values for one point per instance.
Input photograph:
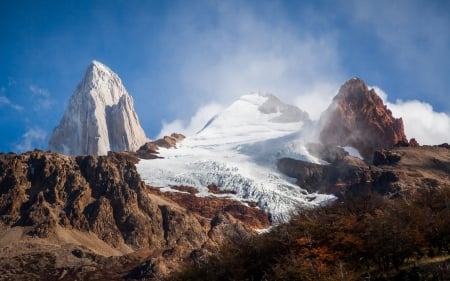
(31, 139)
(420, 120)
(317, 99)
(242, 52)
(195, 124)
(5, 101)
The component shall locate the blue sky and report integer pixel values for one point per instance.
(182, 61)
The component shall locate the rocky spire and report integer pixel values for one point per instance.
(100, 117)
(358, 117)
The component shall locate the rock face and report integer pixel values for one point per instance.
(100, 117)
(396, 172)
(358, 117)
(99, 205)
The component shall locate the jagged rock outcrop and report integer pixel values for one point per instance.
(169, 141)
(150, 149)
(413, 143)
(99, 203)
(385, 157)
(334, 178)
(396, 172)
(100, 117)
(358, 117)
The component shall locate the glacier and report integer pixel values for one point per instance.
(237, 150)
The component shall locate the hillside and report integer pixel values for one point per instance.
(79, 217)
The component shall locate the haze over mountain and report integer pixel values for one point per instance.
(100, 117)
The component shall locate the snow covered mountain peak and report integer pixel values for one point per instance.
(100, 117)
(102, 83)
(237, 150)
(252, 118)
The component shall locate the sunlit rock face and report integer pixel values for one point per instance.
(100, 117)
(358, 117)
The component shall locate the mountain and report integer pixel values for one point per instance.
(357, 117)
(237, 151)
(176, 200)
(100, 117)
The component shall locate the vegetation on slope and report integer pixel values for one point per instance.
(362, 237)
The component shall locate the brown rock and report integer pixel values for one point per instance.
(209, 207)
(334, 178)
(59, 197)
(178, 137)
(166, 142)
(446, 145)
(385, 157)
(358, 118)
(413, 143)
(150, 149)
(396, 172)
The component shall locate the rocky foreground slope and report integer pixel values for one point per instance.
(92, 217)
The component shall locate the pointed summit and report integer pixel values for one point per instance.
(358, 117)
(100, 117)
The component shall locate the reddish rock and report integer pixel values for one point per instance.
(150, 149)
(166, 142)
(413, 143)
(358, 117)
(178, 137)
(209, 207)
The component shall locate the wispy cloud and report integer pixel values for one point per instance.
(4, 101)
(32, 138)
(196, 123)
(240, 51)
(39, 91)
(42, 97)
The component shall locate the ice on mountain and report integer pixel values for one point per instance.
(237, 150)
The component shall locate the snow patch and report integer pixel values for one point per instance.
(353, 152)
